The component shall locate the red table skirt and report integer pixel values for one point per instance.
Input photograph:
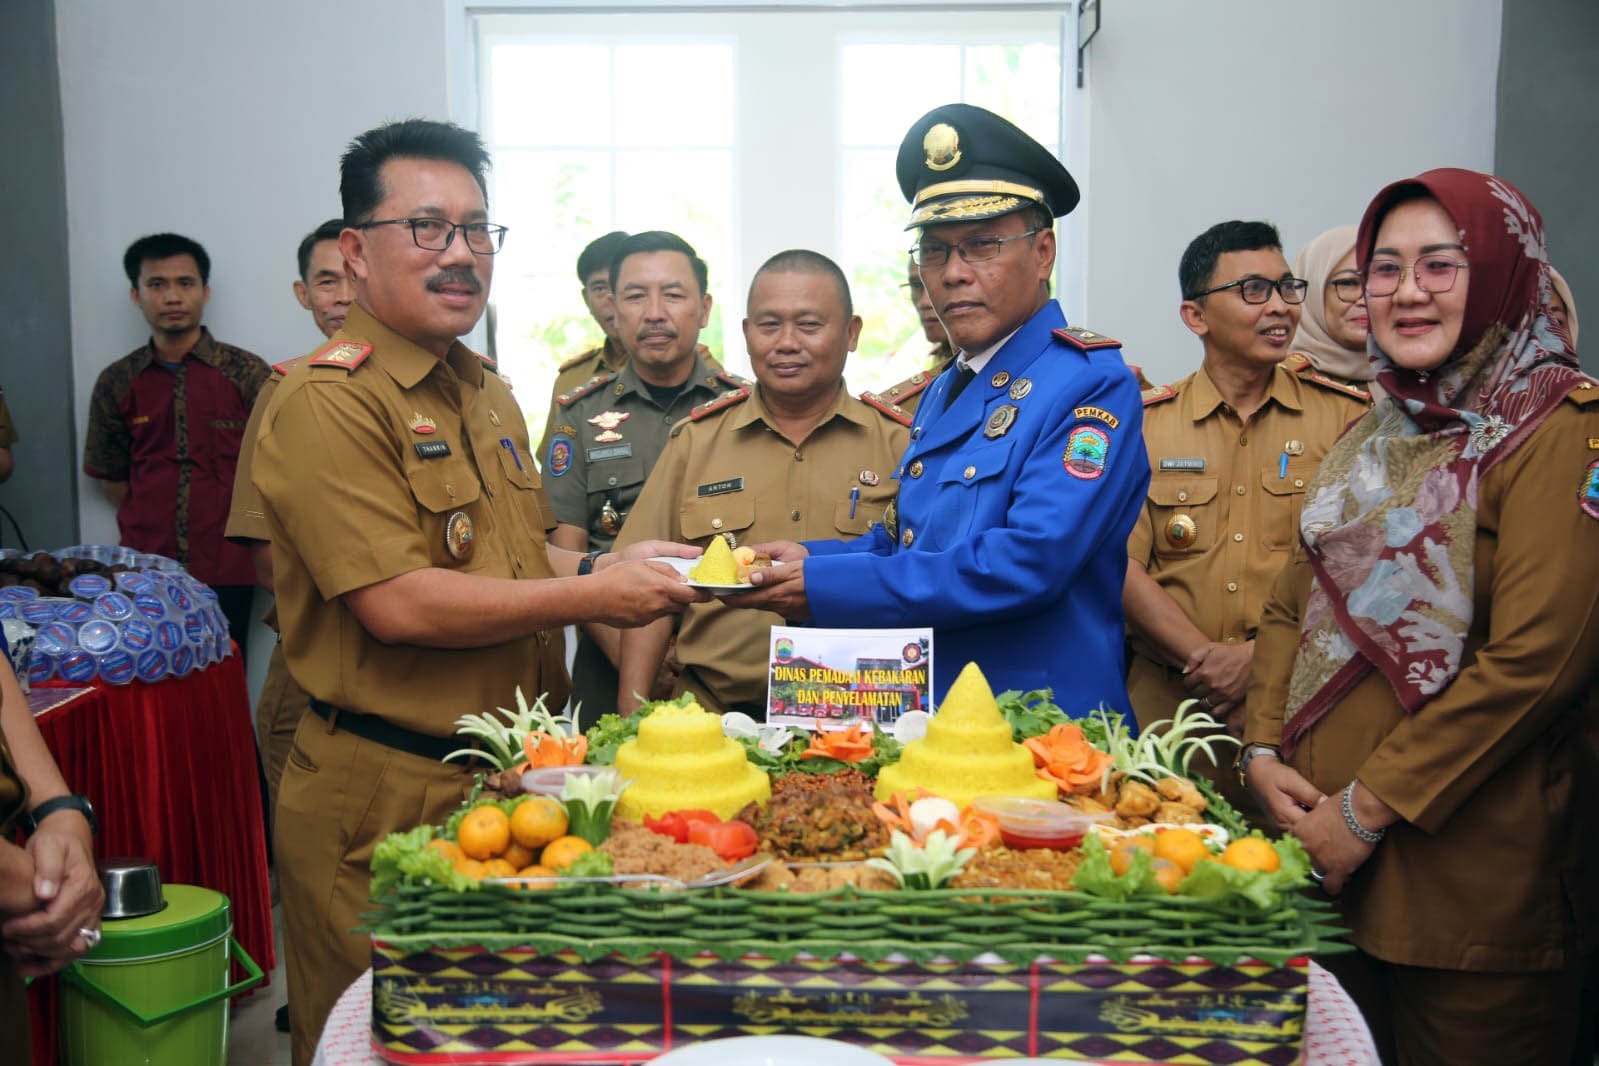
(171, 770)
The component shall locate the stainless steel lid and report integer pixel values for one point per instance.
(132, 888)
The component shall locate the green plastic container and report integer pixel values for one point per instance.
(156, 989)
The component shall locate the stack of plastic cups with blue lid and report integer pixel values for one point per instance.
(149, 624)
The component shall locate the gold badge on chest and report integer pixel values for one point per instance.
(1182, 531)
(1000, 421)
(458, 535)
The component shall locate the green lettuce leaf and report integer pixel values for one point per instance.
(1096, 877)
(406, 857)
(1030, 714)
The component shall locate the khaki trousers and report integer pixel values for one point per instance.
(1155, 690)
(339, 796)
(278, 711)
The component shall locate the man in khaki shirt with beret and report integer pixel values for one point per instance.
(1232, 447)
(408, 527)
(795, 457)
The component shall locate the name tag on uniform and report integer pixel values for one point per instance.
(716, 488)
(1191, 465)
(615, 451)
(432, 449)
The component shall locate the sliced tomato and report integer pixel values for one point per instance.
(730, 840)
(675, 824)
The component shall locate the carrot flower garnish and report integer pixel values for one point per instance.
(1064, 756)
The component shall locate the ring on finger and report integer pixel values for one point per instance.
(90, 937)
(1316, 875)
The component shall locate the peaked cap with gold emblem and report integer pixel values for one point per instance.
(960, 163)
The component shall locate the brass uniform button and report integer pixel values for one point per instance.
(716, 523)
(794, 514)
(1299, 482)
(969, 473)
(907, 538)
(1182, 497)
(1232, 586)
(916, 468)
(1239, 489)
(1238, 537)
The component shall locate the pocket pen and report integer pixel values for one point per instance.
(1282, 466)
(854, 498)
(509, 445)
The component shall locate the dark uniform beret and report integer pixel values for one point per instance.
(960, 163)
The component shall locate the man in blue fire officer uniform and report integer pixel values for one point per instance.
(1026, 468)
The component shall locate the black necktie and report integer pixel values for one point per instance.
(963, 377)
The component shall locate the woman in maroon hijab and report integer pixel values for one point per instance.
(1424, 712)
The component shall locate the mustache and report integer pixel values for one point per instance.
(656, 331)
(455, 276)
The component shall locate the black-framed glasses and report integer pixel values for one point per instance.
(1346, 287)
(972, 249)
(1434, 273)
(1257, 290)
(435, 234)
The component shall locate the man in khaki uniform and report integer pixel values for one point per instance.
(408, 545)
(610, 431)
(324, 289)
(908, 393)
(795, 457)
(1232, 447)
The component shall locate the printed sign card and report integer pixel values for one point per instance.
(836, 677)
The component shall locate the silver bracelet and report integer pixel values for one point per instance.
(1370, 836)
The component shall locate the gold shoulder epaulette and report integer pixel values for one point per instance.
(1300, 366)
(1157, 394)
(282, 369)
(1086, 340)
(1584, 392)
(567, 399)
(914, 385)
(887, 407)
(1138, 376)
(346, 355)
(486, 361)
(577, 360)
(705, 354)
(721, 403)
(733, 381)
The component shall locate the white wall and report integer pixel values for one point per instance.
(223, 121)
(1294, 113)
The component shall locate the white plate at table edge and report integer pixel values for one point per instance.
(683, 566)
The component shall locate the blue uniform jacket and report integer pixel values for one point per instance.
(1012, 545)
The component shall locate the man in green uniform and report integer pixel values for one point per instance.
(796, 457)
(594, 272)
(610, 431)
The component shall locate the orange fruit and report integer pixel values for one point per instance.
(1168, 875)
(448, 848)
(1182, 846)
(536, 871)
(498, 868)
(485, 832)
(470, 867)
(517, 855)
(1252, 853)
(1121, 856)
(536, 821)
(563, 852)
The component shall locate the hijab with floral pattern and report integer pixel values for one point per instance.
(1389, 520)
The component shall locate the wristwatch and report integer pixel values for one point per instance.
(81, 804)
(585, 565)
(1250, 753)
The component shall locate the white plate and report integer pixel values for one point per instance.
(772, 1051)
(683, 566)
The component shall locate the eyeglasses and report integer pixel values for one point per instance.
(1432, 273)
(435, 234)
(1346, 287)
(1256, 290)
(972, 249)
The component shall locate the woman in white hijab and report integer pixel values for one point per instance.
(1332, 330)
